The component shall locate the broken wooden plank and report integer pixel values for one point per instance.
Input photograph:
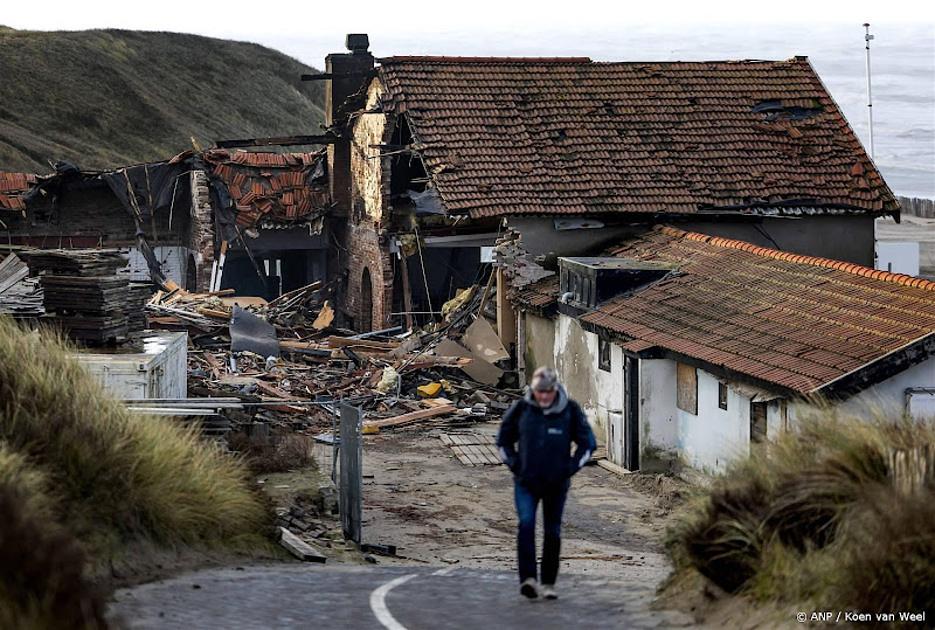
(614, 468)
(408, 418)
(369, 344)
(298, 547)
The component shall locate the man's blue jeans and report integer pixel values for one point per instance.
(553, 502)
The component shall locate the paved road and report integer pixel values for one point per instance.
(379, 598)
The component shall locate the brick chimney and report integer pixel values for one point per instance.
(349, 72)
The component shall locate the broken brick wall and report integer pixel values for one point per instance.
(365, 238)
(367, 253)
(201, 236)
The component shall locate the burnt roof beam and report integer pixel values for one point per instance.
(277, 141)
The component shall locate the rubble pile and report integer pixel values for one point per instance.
(290, 366)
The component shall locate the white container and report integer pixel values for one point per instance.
(160, 370)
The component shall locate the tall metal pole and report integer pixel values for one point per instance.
(867, 38)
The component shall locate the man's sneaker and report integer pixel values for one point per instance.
(548, 591)
(529, 588)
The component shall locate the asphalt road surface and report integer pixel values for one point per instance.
(382, 598)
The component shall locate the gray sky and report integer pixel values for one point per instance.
(829, 32)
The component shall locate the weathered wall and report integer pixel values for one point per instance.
(597, 391)
(365, 251)
(364, 237)
(201, 237)
(540, 343)
(889, 396)
(658, 425)
(838, 237)
(849, 238)
(710, 440)
(707, 441)
(370, 178)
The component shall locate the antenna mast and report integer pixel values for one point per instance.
(867, 38)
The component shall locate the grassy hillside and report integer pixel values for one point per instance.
(107, 98)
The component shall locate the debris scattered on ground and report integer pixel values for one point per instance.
(289, 365)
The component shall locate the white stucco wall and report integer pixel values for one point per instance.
(597, 391)
(714, 437)
(889, 396)
(658, 421)
(711, 439)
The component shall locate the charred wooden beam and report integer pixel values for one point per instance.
(277, 141)
(327, 76)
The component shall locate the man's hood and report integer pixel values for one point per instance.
(558, 405)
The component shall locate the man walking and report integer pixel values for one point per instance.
(535, 441)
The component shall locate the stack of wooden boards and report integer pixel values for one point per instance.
(83, 292)
(20, 295)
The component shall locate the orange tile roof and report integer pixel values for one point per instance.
(796, 321)
(12, 188)
(532, 136)
(539, 296)
(282, 187)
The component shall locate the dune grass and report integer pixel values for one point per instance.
(815, 518)
(78, 466)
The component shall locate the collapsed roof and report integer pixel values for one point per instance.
(13, 190)
(570, 136)
(278, 187)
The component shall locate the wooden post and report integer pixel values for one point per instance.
(407, 290)
(506, 320)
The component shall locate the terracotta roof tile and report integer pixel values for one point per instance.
(282, 187)
(540, 296)
(531, 136)
(796, 321)
(13, 187)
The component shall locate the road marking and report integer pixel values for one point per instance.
(444, 571)
(378, 603)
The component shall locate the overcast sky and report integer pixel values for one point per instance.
(829, 32)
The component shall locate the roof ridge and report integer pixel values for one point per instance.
(573, 59)
(817, 261)
(456, 59)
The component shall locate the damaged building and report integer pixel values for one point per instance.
(208, 220)
(440, 155)
(682, 345)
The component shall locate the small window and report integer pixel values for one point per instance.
(603, 354)
(687, 388)
(722, 395)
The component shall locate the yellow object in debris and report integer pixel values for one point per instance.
(462, 297)
(429, 390)
(367, 429)
(388, 380)
(447, 386)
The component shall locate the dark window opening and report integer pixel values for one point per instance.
(757, 422)
(366, 303)
(406, 169)
(603, 354)
(722, 395)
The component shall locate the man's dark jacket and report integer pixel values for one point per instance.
(535, 443)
